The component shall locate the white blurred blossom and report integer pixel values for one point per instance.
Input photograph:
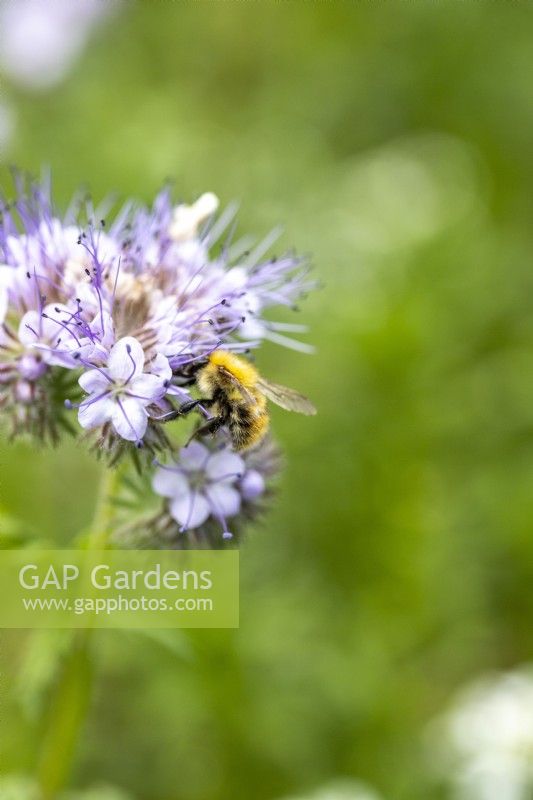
(41, 39)
(101, 792)
(21, 787)
(488, 738)
(18, 787)
(340, 790)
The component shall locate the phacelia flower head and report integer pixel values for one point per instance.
(104, 323)
(128, 308)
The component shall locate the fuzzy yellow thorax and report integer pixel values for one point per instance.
(241, 369)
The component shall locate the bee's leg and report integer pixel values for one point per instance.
(186, 382)
(184, 409)
(210, 427)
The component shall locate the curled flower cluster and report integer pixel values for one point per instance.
(207, 492)
(112, 319)
(203, 483)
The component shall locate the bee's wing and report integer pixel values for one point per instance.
(285, 397)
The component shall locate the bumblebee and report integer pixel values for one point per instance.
(237, 395)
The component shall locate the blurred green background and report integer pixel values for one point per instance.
(394, 142)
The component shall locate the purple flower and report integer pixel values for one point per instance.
(168, 277)
(202, 484)
(121, 391)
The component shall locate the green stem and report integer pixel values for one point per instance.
(70, 703)
(104, 512)
(67, 713)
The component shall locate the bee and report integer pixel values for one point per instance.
(237, 395)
